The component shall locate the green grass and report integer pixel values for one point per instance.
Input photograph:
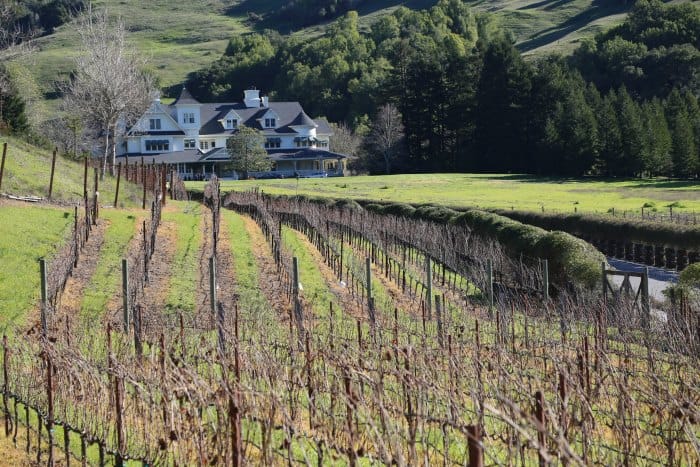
(28, 171)
(490, 191)
(315, 290)
(27, 233)
(105, 282)
(183, 278)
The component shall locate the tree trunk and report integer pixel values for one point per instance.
(114, 152)
(105, 155)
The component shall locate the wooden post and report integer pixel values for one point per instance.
(438, 316)
(2, 164)
(212, 285)
(163, 184)
(545, 276)
(49, 415)
(489, 285)
(539, 415)
(95, 194)
(121, 442)
(44, 295)
(4, 385)
(429, 285)
(605, 281)
(143, 177)
(125, 293)
(476, 448)
(85, 174)
(370, 299)
(53, 169)
(116, 191)
(298, 315)
(646, 309)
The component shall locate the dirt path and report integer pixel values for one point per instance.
(226, 277)
(202, 299)
(156, 291)
(274, 290)
(72, 296)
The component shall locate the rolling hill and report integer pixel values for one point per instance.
(178, 38)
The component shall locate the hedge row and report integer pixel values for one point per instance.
(603, 227)
(570, 259)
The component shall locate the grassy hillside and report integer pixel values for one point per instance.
(28, 170)
(492, 191)
(179, 38)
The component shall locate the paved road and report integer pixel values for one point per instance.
(659, 279)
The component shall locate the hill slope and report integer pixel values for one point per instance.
(179, 38)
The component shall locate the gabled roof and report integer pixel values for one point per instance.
(303, 120)
(286, 113)
(186, 98)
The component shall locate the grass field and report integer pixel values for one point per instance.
(21, 246)
(491, 191)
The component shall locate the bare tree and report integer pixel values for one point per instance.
(109, 89)
(344, 141)
(386, 136)
(15, 42)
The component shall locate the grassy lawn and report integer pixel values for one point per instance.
(28, 171)
(183, 278)
(491, 191)
(106, 280)
(22, 243)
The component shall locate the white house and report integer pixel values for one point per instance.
(191, 136)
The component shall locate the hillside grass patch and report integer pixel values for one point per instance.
(27, 233)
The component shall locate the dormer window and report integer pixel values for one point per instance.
(188, 117)
(270, 122)
(154, 124)
(231, 123)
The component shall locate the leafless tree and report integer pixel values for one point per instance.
(109, 89)
(345, 140)
(14, 41)
(386, 135)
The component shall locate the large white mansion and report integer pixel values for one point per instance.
(191, 136)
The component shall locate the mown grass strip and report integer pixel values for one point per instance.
(27, 233)
(183, 277)
(106, 279)
(315, 289)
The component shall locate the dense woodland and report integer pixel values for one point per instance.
(625, 103)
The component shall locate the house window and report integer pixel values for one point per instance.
(190, 144)
(188, 117)
(213, 144)
(204, 145)
(322, 143)
(231, 123)
(154, 124)
(157, 145)
(270, 123)
(271, 143)
(301, 141)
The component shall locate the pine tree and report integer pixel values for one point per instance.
(657, 140)
(683, 149)
(609, 136)
(631, 134)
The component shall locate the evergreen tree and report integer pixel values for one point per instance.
(631, 134)
(500, 117)
(609, 137)
(683, 150)
(657, 140)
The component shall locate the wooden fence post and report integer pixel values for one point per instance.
(476, 449)
(438, 316)
(125, 294)
(646, 309)
(545, 276)
(116, 191)
(298, 314)
(212, 285)
(2, 164)
(49, 415)
(370, 299)
(489, 285)
(44, 295)
(53, 169)
(4, 385)
(121, 444)
(143, 179)
(539, 416)
(96, 207)
(429, 285)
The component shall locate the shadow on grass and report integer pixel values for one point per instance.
(597, 10)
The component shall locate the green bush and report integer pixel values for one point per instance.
(569, 256)
(691, 276)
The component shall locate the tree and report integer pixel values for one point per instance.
(109, 88)
(385, 139)
(344, 141)
(245, 148)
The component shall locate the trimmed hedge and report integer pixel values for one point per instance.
(636, 231)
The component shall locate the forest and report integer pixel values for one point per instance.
(624, 104)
